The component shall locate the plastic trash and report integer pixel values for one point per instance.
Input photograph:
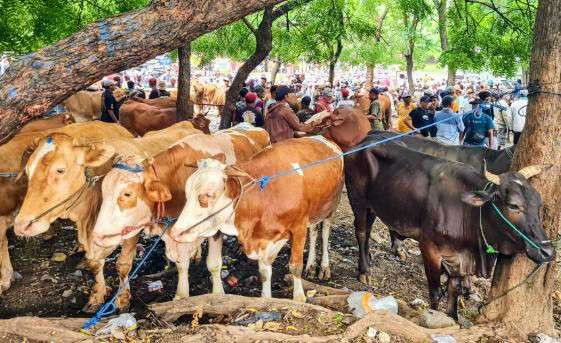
(443, 339)
(125, 322)
(361, 303)
(155, 286)
(264, 316)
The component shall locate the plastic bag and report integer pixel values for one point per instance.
(125, 321)
(361, 303)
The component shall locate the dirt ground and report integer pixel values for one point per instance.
(44, 282)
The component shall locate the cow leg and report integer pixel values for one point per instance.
(364, 218)
(6, 269)
(325, 271)
(432, 262)
(182, 290)
(97, 297)
(397, 245)
(214, 262)
(453, 294)
(198, 254)
(311, 266)
(296, 263)
(265, 273)
(124, 265)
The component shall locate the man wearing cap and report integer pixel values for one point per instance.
(324, 101)
(479, 127)
(281, 122)
(154, 93)
(518, 112)
(250, 114)
(375, 111)
(421, 116)
(162, 89)
(404, 123)
(109, 105)
(345, 102)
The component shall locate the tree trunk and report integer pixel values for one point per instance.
(264, 38)
(274, 71)
(451, 81)
(36, 82)
(184, 105)
(369, 77)
(333, 61)
(529, 307)
(331, 73)
(409, 62)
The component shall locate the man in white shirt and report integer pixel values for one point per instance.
(518, 112)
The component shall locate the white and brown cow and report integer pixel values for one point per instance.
(58, 188)
(12, 189)
(264, 220)
(131, 194)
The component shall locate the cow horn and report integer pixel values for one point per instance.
(533, 170)
(490, 176)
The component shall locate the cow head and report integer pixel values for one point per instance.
(520, 204)
(209, 192)
(127, 203)
(56, 171)
(347, 127)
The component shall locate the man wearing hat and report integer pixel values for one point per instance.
(250, 113)
(109, 105)
(518, 113)
(404, 123)
(281, 121)
(162, 89)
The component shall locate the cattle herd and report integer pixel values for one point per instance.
(455, 201)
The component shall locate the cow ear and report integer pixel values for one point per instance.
(156, 191)
(477, 198)
(98, 154)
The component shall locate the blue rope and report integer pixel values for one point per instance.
(137, 168)
(109, 307)
(263, 181)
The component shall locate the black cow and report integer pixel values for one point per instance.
(439, 204)
(498, 161)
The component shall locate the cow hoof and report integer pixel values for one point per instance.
(91, 307)
(310, 272)
(324, 273)
(300, 298)
(365, 278)
(123, 301)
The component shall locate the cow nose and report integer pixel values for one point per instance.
(548, 252)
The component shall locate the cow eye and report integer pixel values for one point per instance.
(127, 194)
(513, 207)
(60, 171)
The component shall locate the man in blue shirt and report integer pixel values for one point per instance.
(452, 129)
(479, 126)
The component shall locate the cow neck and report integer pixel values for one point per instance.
(160, 207)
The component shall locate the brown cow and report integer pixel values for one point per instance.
(161, 102)
(264, 220)
(140, 118)
(48, 123)
(130, 195)
(58, 173)
(13, 190)
(85, 105)
(362, 102)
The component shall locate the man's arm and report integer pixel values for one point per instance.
(295, 124)
(491, 133)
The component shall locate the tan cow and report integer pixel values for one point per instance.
(85, 105)
(13, 190)
(225, 198)
(48, 123)
(131, 194)
(58, 173)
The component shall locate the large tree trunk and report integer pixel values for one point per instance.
(184, 105)
(529, 307)
(38, 81)
(333, 61)
(442, 9)
(451, 81)
(274, 71)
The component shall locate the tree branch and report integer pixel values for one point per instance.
(285, 8)
(249, 26)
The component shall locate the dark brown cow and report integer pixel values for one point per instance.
(264, 220)
(449, 208)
